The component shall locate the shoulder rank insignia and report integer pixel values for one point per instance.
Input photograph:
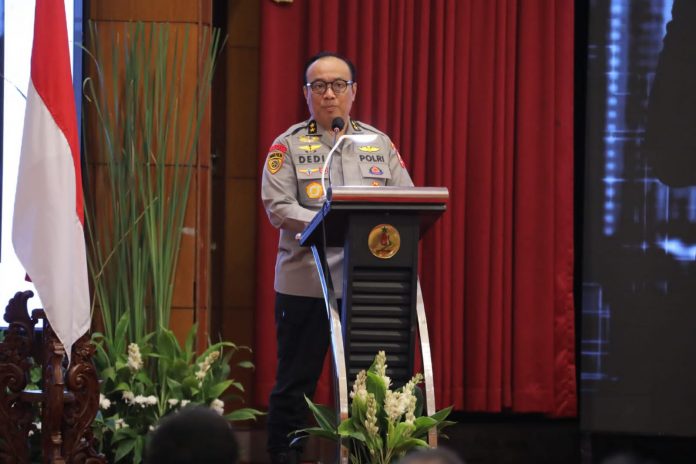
(356, 126)
(368, 148)
(275, 161)
(312, 127)
(311, 148)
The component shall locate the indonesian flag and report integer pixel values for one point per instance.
(47, 230)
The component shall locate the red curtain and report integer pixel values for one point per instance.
(477, 96)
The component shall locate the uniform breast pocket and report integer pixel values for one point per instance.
(309, 184)
(375, 174)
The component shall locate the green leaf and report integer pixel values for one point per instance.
(348, 428)
(188, 343)
(410, 443)
(314, 431)
(119, 344)
(122, 387)
(178, 369)
(190, 382)
(245, 364)
(423, 424)
(108, 373)
(325, 417)
(243, 414)
(139, 448)
(124, 449)
(168, 345)
(442, 414)
(143, 378)
(218, 389)
(420, 401)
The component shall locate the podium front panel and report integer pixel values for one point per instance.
(380, 277)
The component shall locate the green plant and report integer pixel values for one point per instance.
(383, 424)
(147, 145)
(144, 123)
(133, 401)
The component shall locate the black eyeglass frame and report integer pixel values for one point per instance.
(327, 85)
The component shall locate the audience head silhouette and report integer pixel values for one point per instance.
(193, 435)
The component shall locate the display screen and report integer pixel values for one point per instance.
(638, 331)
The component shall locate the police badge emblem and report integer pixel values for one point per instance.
(275, 161)
(384, 241)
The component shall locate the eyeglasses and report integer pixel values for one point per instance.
(338, 86)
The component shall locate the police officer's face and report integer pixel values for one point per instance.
(324, 108)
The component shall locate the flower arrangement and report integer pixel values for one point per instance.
(383, 424)
(134, 400)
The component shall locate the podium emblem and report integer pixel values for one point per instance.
(384, 241)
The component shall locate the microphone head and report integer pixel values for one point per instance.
(337, 124)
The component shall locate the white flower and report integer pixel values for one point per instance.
(411, 385)
(173, 402)
(120, 424)
(381, 364)
(204, 367)
(128, 397)
(394, 406)
(141, 400)
(184, 403)
(411, 409)
(37, 425)
(104, 402)
(218, 406)
(135, 360)
(31, 432)
(151, 428)
(360, 387)
(371, 416)
(151, 400)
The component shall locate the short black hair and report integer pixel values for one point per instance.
(431, 456)
(327, 54)
(194, 434)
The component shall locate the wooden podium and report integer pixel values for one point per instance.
(382, 307)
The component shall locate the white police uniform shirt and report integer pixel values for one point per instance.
(292, 194)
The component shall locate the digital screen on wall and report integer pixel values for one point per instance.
(17, 35)
(638, 332)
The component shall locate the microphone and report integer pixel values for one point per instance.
(337, 125)
(360, 138)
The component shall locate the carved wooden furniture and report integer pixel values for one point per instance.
(67, 402)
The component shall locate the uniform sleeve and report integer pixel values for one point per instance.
(399, 174)
(279, 190)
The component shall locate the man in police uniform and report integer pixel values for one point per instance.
(292, 194)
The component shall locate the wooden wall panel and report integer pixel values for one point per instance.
(191, 11)
(235, 180)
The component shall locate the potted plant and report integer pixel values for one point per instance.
(144, 147)
(384, 424)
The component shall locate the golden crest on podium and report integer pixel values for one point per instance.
(384, 241)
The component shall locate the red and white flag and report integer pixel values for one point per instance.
(47, 229)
